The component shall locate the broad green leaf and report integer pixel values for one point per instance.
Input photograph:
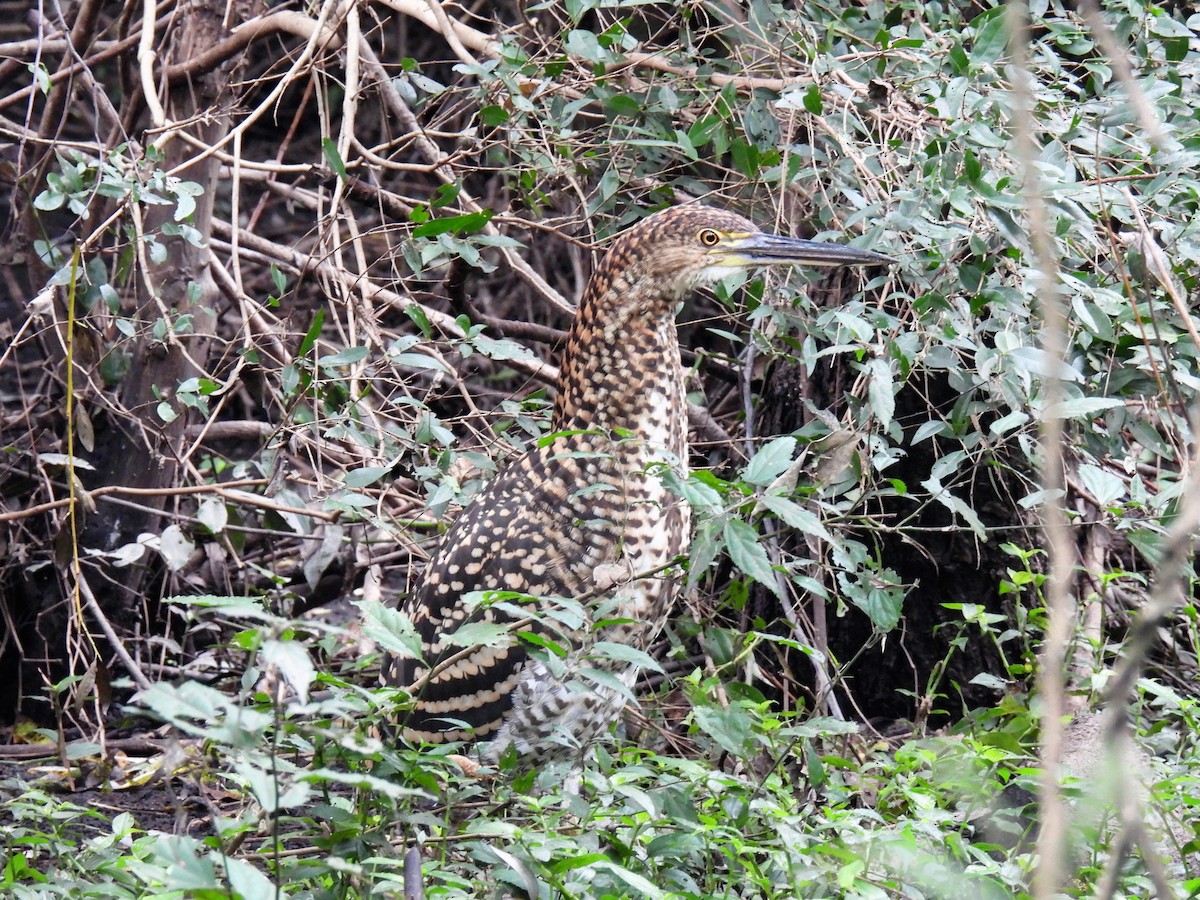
(360, 478)
(479, 634)
(771, 460)
(467, 223)
(882, 606)
(627, 654)
(501, 348)
(728, 727)
(741, 540)
(1005, 424)
(1082, 407)
(391, 629)
(797, 516)
(1107, 487)
(639, 883)
(991, 36)
(928, 430)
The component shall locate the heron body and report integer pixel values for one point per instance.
(587, 513)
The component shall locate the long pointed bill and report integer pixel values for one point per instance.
(767, 249)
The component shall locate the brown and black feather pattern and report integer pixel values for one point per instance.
(586, 515)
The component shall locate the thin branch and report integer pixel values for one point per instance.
(1051, 842)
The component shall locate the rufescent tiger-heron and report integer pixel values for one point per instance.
(588, 514)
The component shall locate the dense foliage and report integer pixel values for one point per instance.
(276, 305)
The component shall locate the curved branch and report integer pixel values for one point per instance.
(283, 22)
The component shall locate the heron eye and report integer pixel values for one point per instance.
(709, 238)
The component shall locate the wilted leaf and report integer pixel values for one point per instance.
(213, 515)
(331, 545)
(175, 547)
(292, 662)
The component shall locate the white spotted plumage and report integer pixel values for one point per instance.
(587, 515)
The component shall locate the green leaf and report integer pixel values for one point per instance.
(626, 654)
(501, 349)
(771, 461)
(391, 629)
(41, 76)
(420, 318)
(797, 517)
(955, 505)
(479, 634)
(329, 150)
(314, 332)
(576, 862)
(175, 548)
(741, 540)
(882, 605)
(291, 660)
(812, 100)
(880, 392)
(343, 357)
(467, 223)
(991, 36)
(1083, 407)
(586, 45)
(1005, 424)
(493, 116)
(728, 727)
(48, 200)
(1107, 487)
(623, 105)
(704, 130)
(546, 643)
(188, 701)
(928, 430)
(360, 478)
(745, 157)
(445, 195)
(638, 883)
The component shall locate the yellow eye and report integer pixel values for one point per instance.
(709, 238)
